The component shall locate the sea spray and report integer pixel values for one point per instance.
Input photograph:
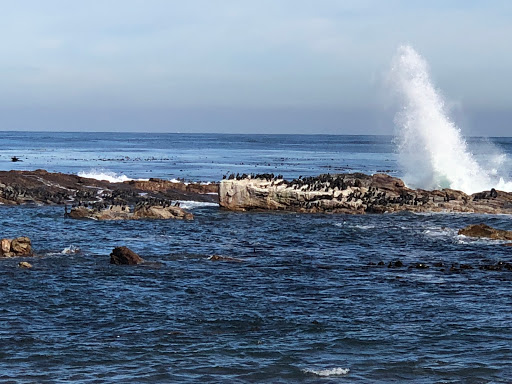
(431, 148)
(102, 174)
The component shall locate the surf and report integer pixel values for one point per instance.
(431, 148)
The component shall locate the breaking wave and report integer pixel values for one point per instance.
(102, 174)
(431, 148)
(328, 372)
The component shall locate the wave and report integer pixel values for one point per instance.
(181, 181)
(70, 250)
(431, 148)
(328, 372)
(102, 174)
(189, 204)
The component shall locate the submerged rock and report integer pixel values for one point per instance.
(224, 258)
(20, 246)
(485, 231)
(161, 212)
(24, 264)
(125, 213)
(124, 256)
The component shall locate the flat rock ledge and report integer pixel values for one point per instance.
(126, 213)
(20, 246)
(354, 193)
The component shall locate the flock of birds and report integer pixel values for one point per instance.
(92, 199)
(121, 200)
(361, 190)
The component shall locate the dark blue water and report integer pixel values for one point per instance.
(302, 303)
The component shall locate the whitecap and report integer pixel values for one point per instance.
(328, 372)
(70, 250)
(102, 174)
(186, 204)
(357, 226)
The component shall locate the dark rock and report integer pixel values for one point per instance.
(395, 264)
(124, 256)
(224, 258)
(491, 267)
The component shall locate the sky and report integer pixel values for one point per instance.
(246, 66)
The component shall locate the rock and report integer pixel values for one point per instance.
(124, 213)
(24, 264)
(351, 193)
(485, 231)
(224, 258)
(395, 264)
(42, 187)
(20, 246)
(159, 185)
(159, 212)
(124, 256)
(6, 246)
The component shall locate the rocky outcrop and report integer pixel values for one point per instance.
(24, 265)
(124, 256)
(161, 212)
(159, 185)
(485, 231)
(42, 187)
(20, 246)
(126, 213)
(352, 193)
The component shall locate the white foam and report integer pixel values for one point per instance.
(70, 250)
(357, 226)
(328, 372)
(431, 148)
(102, 174)
(174, 180)
(177, 181)
(186, 204)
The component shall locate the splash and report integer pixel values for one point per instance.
(431, 148)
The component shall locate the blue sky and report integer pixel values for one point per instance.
(260, 66)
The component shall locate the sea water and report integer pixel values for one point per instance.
(302, 305)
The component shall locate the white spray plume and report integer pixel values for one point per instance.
(431, 149)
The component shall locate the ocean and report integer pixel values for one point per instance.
(306, 301)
